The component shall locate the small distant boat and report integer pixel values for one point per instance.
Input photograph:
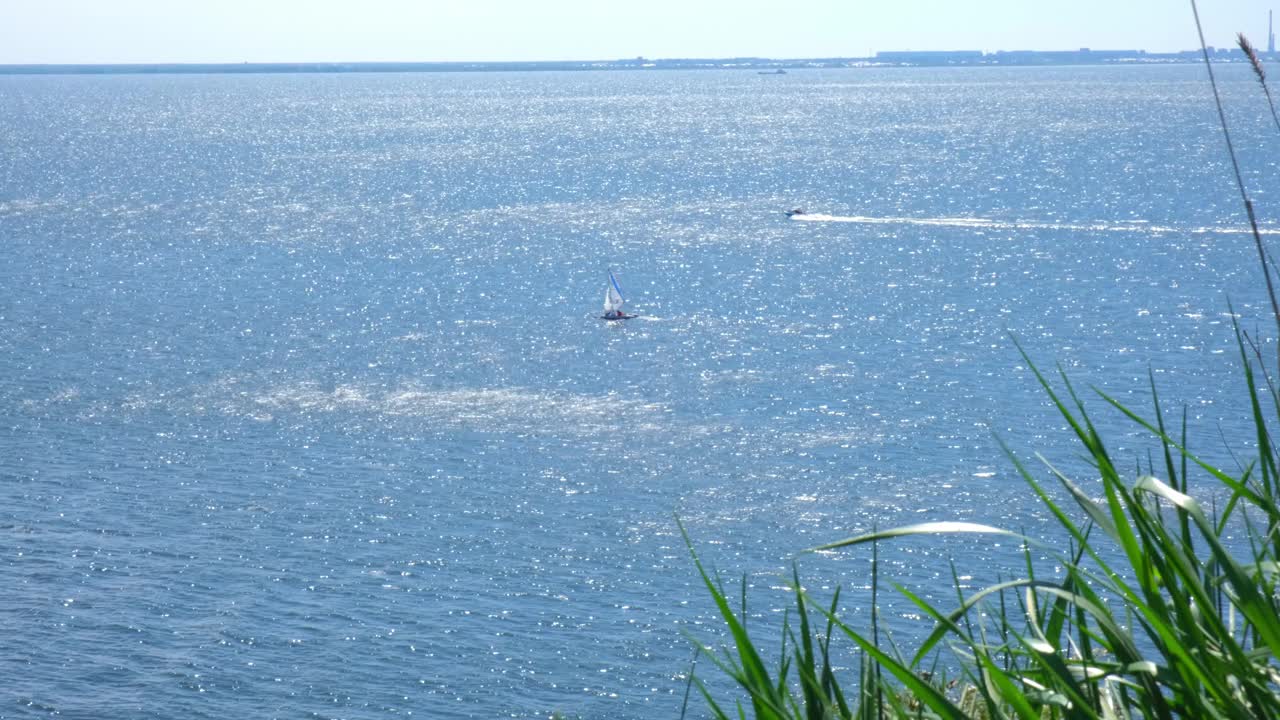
(613, 301)
(794, 212)
(779, 71)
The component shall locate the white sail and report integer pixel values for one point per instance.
(613, 296)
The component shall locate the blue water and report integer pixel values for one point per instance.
(305, 408)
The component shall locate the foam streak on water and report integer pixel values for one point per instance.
(306, 408)
(985, 224)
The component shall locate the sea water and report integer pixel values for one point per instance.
(306, 409)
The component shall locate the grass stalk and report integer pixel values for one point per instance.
(1235, 166)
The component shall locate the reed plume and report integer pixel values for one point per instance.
(1251, 53)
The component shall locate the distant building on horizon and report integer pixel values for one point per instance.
(1271, 35)
(1083, 56)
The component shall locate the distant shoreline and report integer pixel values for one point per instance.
(959, 58)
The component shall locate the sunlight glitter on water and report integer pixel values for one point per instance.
(309, 405)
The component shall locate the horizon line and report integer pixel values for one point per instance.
(880, 58)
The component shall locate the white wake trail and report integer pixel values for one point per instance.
(988, 224)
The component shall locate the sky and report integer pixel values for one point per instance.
(232, 31)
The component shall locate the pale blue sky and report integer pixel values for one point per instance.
(125, 31)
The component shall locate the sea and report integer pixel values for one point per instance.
(307, 409)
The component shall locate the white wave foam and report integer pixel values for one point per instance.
(27, 205)
(989, 224)
(476, 408)
(62, 396)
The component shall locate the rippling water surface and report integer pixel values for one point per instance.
(305, 408)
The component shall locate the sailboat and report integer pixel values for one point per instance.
(613, 301)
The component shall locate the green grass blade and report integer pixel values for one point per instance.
(923, 691)
(1008, 692)
(929, 528)
(1260, 612)
(755, 678)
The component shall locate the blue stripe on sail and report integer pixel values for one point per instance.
(614, 280)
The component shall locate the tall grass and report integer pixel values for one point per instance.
(1157, 614)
